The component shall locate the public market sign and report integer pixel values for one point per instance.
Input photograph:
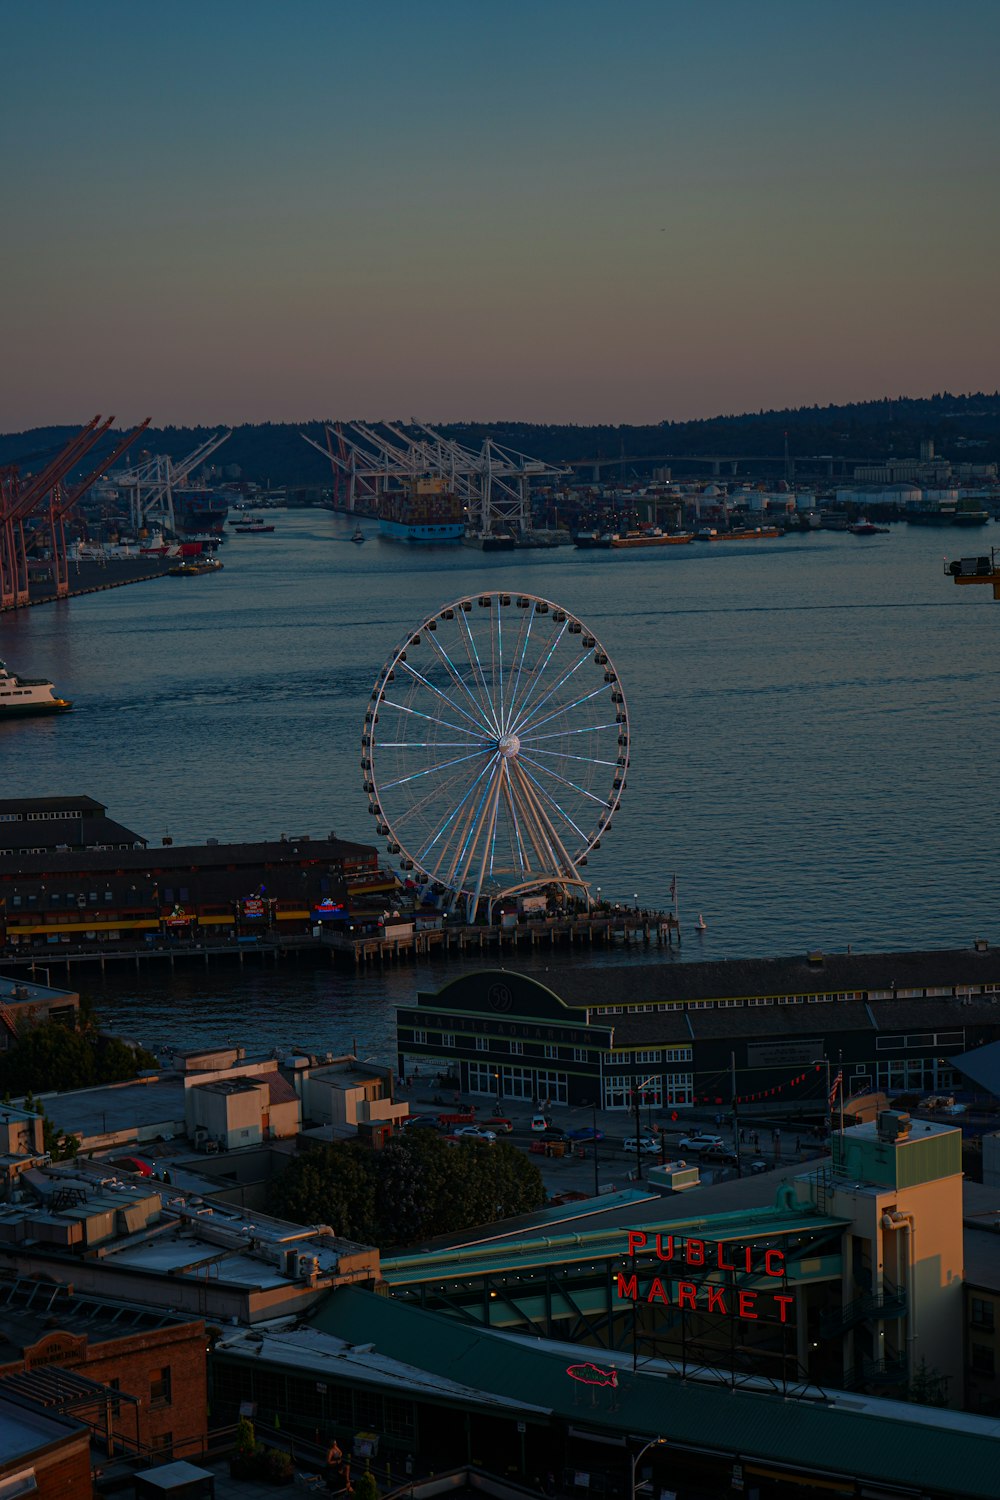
(703, 1258)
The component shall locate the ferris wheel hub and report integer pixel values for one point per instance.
(508, 746)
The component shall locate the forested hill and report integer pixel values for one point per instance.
(962, 428)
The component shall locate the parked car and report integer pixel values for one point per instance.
(645, 1145)
(720, 1154)
(501, 1125)
(538, 1124)
(585, 1133)
(552, 1133)
(475, 1133)
(421, 1122)
(699, 1141)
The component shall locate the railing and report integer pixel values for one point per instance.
(889, 1303)
(878, 1372)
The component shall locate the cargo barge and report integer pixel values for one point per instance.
(426, 511)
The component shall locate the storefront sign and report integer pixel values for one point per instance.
(707, 1256)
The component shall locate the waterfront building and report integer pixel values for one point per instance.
(69, 875)
(147, 1366)
(672, 1032)
(24, 1004)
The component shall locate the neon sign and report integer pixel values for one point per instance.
(592, 1375)
(706, 1296)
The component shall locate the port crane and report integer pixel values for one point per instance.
(20, 497)
(494, 482)
(151, 483)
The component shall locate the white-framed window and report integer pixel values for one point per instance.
(516, 1048)
(551, 1051)
(482, 1044)
(448, 1039)
(647, 1057)
(420, 1039)
(551, 1085)
(677, 1054)
(579, 1054)
(678, 1088)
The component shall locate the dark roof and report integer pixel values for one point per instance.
(883, 1442)
(49, 804)
(982, 1066)
(33, 1310)
(668, 1026)
(54, 831)
(196, 856)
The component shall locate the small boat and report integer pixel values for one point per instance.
(701, 925)
(653, 538)
(864, 527)
(193, 566)
(359, 535)
(253, 526)
(24, 696)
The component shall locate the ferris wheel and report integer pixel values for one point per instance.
(495, 749)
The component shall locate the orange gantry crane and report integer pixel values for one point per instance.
(21, 497)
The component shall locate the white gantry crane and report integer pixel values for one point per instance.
(494, 482)
(150, 485)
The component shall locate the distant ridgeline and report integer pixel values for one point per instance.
(961, 427)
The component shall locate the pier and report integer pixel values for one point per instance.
(359, 950)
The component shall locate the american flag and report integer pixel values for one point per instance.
(837, 1083)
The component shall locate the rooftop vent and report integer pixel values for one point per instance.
(212, 843)
(893, 1125)
(815, 957)
(981, 945)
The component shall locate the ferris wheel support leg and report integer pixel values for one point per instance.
(552, 837)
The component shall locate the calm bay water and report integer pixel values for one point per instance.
(814, 721)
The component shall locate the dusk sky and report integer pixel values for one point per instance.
(234, 210)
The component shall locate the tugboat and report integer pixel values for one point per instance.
(359, 535)
(864, 527)
(253, 526)
(23, 696)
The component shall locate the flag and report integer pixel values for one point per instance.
(837, 1083)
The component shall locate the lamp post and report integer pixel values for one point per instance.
(636, 1457)
(593, 1112)
(499, 1108)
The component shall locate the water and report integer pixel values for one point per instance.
(814, 723)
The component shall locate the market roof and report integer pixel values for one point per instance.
(196, 856)
(982, 1065)
(677, 980)
(865, 1439)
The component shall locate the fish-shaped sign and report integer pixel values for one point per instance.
(592, 1375)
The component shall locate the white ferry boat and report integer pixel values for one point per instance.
(21, 696)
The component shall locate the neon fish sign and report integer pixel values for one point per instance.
(592, 1375)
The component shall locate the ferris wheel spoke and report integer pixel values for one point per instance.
(458, 680)
(536, 676)
(433, 770)
(556, 686)
(433, 688)
(566, 708)
(555, 804)
(454, 815)
(589, 760)
(477, 668)
(547, 833)
(514, 676)
(512, 818)
(483, 819)
(570, 786)
(430, 801)
(417, 713)
(560, 734)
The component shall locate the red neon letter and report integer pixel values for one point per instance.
(748, 1259)
(628, 1288)
(724, 1265)
(636, 1240)
(656, 1292)
(772, 1258)
(694, 1252)
(784, 1304)
(747, 1300)
(716, 1299)
(686, 1294)
(659, 1247)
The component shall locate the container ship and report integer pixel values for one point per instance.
(199, 510)
(426, 511)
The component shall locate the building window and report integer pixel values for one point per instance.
(420, 1039)
(551, 1051)
(159, 1387)
(448, 1039)
(646, 1057)
(552, 1086)
(482, 1044)
(580, 1054)
(982, 1313)
(678, 1088)
(517, 1048)
(677, 1054)
(983, 1359)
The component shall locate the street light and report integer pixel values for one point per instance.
(653, 1443)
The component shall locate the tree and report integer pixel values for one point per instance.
(332, 1185)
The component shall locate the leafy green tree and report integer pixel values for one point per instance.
(52, 1058)
(332, 1185)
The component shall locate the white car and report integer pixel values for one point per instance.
(479, 1132)
(699, 1142)
(645, 1143)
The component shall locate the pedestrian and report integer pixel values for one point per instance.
(334, 1467)
(798, 1143)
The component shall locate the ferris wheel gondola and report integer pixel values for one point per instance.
(495, 749)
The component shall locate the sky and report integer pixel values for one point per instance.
(543, 210)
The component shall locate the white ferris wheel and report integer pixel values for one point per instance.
(495, 749)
